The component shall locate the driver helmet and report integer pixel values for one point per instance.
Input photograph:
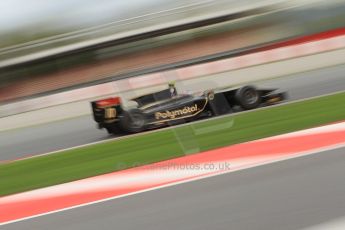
(171, 84)
(172, 88)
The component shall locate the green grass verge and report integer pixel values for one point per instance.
(166, 144)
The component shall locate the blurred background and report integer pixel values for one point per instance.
(53, 46)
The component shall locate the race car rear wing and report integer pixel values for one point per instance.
(106, 110)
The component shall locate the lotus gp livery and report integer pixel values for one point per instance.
(168, 107)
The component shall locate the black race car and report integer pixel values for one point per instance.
(168, 107)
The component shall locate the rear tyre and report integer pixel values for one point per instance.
(109, 130)
(113, 128)
(248, 97)
(133, 121)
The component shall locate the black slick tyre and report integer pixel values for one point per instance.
(248, 97)
(132, 121)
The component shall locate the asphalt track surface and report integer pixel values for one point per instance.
(288, 195)
(58, 135)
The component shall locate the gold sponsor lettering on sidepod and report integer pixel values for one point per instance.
(176, 113)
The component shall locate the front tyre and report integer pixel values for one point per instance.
(248, 97)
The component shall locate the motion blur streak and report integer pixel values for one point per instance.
(118, 184)
(308, 45)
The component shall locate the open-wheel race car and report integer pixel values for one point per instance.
(168, 107)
